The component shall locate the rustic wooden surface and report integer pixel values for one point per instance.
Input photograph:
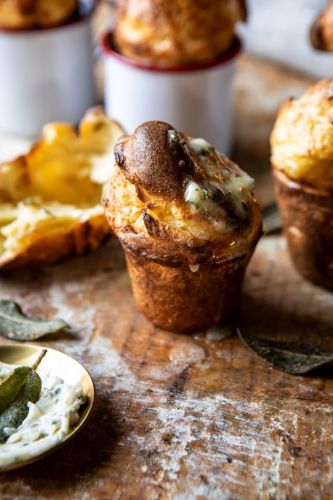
(187, 417)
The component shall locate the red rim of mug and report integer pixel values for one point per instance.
(85, 12)
(109, 50)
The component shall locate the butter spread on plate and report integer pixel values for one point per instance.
(48, 423)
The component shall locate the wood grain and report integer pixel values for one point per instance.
(179, 416)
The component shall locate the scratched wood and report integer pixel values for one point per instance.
(199, 416)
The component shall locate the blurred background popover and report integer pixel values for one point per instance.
(178, 31)
(302, 138)
(322, 29)
(36, 13)
(302, 154)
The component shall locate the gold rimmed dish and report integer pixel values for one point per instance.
(60, 365)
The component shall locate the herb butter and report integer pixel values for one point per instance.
(48, 422)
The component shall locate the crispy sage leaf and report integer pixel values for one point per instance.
(18, 410)
(12, 385)
(17, 326)
(290, 357)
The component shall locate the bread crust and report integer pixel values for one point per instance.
(302, 137)
(307, 217)
(23, 14)
(154, 169)
(176, 32)
(48, 248)
(181, 300)
(321, 33)
(186, 272)
(53, 196)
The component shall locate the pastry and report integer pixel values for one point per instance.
(322, 29)
(302, 161)
(50, 198)
(23, 14)
(176, 32)
(188, 222)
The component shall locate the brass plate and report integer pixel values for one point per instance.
(60, 365)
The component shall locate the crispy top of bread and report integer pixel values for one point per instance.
(321, 33)
(302, 138)
(175, 32)
(35, 13)
(178, 200)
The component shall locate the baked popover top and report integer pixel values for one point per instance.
(178, 200)
(23, 14)
(302, 138)
(176, 32)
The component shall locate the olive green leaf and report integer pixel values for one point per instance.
(18, 410)
(17, 326)
(21, 386)
(12, 385)
(291, 357)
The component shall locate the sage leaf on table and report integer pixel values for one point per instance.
(291, 357)
(17, 326)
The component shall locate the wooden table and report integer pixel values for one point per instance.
(199, 416)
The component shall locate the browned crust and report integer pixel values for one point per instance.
(158, 166)
(48, 248)
(176, 31)
(150, 145)
(307, 217)
(162, 246)
(25, 14)
(183, 301)
(321, 33)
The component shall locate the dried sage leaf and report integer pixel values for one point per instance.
(31, 389)
(17, 326)
(18, 410)
(13, 417)
(12, 385)
(291, 357)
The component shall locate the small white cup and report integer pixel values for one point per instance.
(195, 99)
(46, 74)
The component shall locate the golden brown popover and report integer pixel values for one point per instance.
(176, 32)
(302, 161)
(50, 197)
(188, 221)
(35, 13)
(322, 29)
(302, 138)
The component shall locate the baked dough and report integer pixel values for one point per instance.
(176, 32)
(302, 138)
(322, 29)
(188, 222)
(50, 198)
(22, 14)
(178, 200)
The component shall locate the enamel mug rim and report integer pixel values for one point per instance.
(224, 58)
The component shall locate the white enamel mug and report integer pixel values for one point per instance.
(46, 75)
(194, 99)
